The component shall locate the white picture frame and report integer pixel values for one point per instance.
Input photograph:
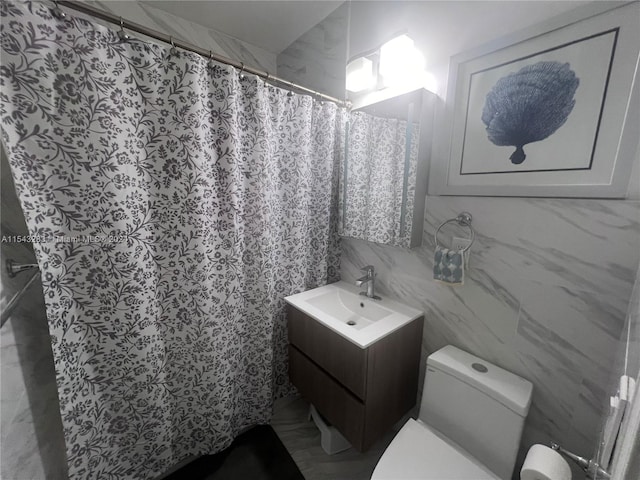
(591, 153)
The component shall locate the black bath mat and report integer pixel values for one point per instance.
(257, 454)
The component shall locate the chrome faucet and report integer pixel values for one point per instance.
(369, 279)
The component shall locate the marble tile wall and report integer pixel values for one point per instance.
(191, 32)
(545, 296)
(31, 439)
(317, 59)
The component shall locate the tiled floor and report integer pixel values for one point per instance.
(302, 439)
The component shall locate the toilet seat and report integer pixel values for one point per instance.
(419, 453)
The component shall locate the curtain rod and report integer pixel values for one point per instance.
(136, 27)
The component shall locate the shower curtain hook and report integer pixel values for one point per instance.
(57, 11)
(242, 75)
(210, 63)
(122, 34)
(174, 50)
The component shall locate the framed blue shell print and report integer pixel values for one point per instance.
(552, 111)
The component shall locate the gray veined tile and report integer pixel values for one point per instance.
(571, 327)
(191, 32)
(554, 396)
(11, 378)
(545, 297)
(317, 58)
(20, 452)
(553, 353)
(591, 402)
(360, 253)
(554, 366)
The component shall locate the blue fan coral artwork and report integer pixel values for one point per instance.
(529, 105)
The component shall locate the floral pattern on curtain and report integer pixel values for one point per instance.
(172, 206)
(376, 165)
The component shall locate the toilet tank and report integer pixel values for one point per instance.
(479, 406)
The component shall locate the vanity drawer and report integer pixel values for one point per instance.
(343, 360)
(333, 401)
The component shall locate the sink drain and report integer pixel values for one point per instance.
(351, 322)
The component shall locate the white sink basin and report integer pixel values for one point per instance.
(359, 319)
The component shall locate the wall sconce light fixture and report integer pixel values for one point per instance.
(400, 62)
(360, 75)
(397, 65)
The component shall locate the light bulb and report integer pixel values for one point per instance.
(360, 75)
(401, 63)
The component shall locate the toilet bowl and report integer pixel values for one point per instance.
(419, 452)
(469, 425)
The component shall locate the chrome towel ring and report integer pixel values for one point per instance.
(464, 220)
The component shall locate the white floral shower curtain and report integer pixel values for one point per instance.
(172, 206)
(381, 153)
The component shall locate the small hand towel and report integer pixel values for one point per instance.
(448, 266)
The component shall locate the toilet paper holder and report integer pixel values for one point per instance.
(591, 467)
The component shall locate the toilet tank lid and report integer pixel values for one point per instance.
(512, 391)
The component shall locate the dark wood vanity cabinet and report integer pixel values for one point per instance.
(361, 391)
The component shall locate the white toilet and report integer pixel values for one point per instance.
(469, 426)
